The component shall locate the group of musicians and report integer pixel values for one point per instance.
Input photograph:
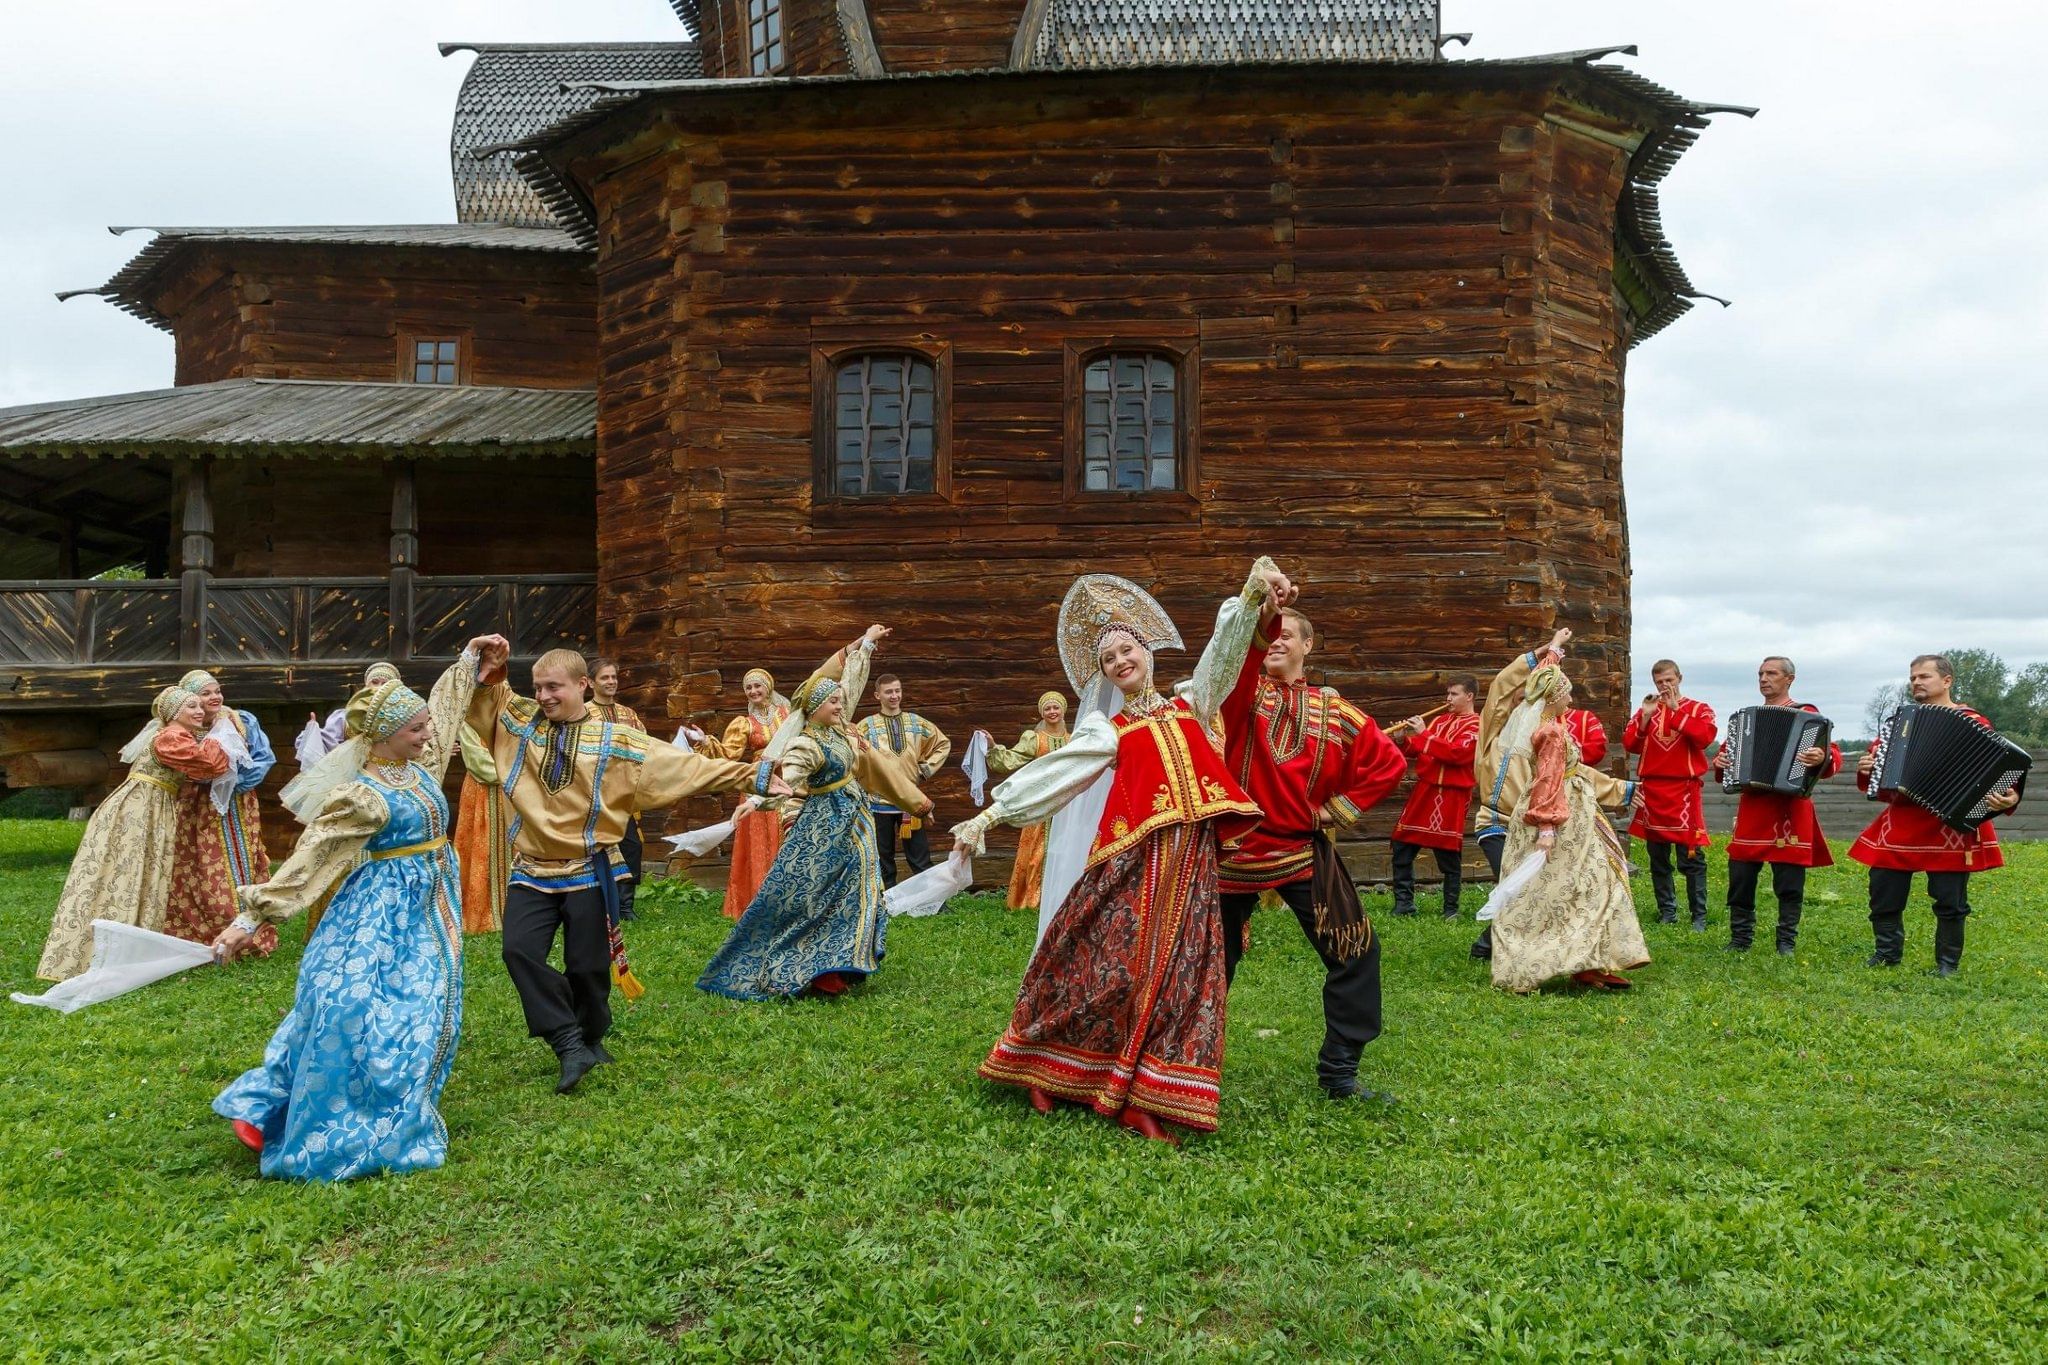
(1671, 734)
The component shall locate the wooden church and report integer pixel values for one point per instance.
(902, 311)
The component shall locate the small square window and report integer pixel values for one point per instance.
(435, 360)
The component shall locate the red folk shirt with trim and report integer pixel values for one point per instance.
(1773, 827)
(1908, 837)
(1441, 802)
(1673, 743)
(1300, 752)
(1585, 728)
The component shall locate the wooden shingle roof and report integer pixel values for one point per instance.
(1106, 34)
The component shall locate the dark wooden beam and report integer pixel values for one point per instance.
(405, 554)
(196, 557)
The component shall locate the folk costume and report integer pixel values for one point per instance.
(220, 841)
(124, 863)
(1027, 873)
(1782, 830)
(321, 738)
(632, 849)
(1565, 910)
(818, 919)
(351, 1081)
(922, 747)
(1310, 760)
(1673, 744)
(1906, 838)
(572, 787)
(1589, 734)
(756, 834)
(1437, 808)
(1122, 1008)
(483, 837)
(1491, 759)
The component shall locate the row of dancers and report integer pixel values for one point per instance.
(1165, 815)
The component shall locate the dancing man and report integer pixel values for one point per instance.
(923, 748)
(574, 780)
(1672, 731)
(1313, 762)
(1776, 828)
(1906, 838)
(1435, 815)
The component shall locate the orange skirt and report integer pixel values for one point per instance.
(1027, 874)
(756, 839)
(485, 855)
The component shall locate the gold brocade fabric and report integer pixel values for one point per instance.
(122, 871)
(1578, 915)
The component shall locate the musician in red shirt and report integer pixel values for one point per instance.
(1441, 802)
(1906, 838)
(1775, 828)
(1671, 732)
(1313, 762)
(1591, 735)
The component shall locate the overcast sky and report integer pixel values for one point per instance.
(1846, 466)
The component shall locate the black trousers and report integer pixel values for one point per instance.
(1449, 861)
(1692, 862)
(1788, 882)
(1890, 889)
(1491, 847)
(1351, 990)
(631, 852)
(917, 849)
(560, 1005)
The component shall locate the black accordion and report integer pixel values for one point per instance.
(1937, 757)
(1763, 744)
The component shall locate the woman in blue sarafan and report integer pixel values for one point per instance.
(351, 1080)
(818, 924)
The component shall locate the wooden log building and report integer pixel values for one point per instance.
(897, 310)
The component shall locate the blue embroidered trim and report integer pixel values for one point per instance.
(583, 879)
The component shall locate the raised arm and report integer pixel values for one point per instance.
(668, 775)
(1228, 670)
(447, 705)
(1045, 784)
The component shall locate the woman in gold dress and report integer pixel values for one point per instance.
(1027, 874)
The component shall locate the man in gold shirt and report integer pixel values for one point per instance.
(573, 780)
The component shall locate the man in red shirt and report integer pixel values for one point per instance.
(1313, 762)
(1672, 731)
(1591, 735)
(1906, 838)
(1441, 802)
(1774, 828)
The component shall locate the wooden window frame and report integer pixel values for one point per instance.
(825, 363)
(410, 337)
(757, 58)
(1185, 352)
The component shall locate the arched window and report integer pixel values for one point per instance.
(884, 437)
(764, 36)
(1132, 435)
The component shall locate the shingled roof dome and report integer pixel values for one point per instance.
(1091, 34)
(516, 89)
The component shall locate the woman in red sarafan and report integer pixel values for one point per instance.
(220, 837)
(1122, 1007)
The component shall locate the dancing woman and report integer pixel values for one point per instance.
(220, 833)
(351, 1080)
(1122, 1007)
(1027, 874)
(123, 868)
(1563, 906)
(818, 923)
(756, 833)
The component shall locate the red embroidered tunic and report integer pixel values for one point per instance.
(1907, 837)
(1673, 743)
(1299, 752)
(1591, 735)
(1168, 773)
(1441, 802)
(1771, 827)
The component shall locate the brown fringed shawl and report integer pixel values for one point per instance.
(1342, 930)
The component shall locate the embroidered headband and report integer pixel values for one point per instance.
(377, 713)
(198, 680)
(816, 694)
(170, 702)
(763, 674)
(1049, 698)
(1544, 682)
(379, 673)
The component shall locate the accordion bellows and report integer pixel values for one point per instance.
(1763, 744)
(1940, 758)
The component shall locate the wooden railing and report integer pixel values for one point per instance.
(87, 640)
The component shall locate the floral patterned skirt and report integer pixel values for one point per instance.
(216, 853)
(1027, 875)
(1578, 915)
(1123, 1005)
(756, 839)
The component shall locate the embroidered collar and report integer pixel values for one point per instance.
(1145, 702)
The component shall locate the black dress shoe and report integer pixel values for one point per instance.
(1350, 1089)
(1880, 960)
(1736, 948)
(576, 1065)
(604, 1055)
(1785, 950)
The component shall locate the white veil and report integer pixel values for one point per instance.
(1074, 824)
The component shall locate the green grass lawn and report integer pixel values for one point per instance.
(1745, 1158)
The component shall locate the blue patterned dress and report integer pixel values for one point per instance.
(820, 907)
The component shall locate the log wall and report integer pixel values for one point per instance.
(940, 35)
(327, 312)
(1404, 339)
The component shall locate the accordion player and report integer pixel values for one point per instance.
(1764, 744)
(1948, 760)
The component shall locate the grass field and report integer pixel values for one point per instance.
(1746, 1158)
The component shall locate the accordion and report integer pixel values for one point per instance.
(1763, 746)
(1937, 757)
